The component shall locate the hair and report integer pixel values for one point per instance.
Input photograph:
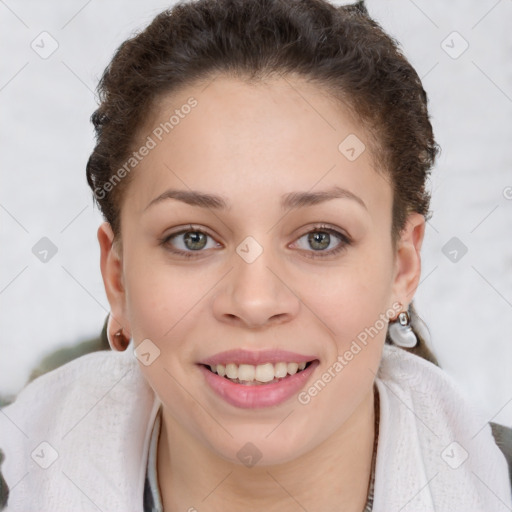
(341, 49)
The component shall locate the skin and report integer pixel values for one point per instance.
(252, 144)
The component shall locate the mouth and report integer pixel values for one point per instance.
(258, 375)
(248, 386)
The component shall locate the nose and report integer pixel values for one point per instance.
(256, 293)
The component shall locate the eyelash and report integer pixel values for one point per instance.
(344, 242)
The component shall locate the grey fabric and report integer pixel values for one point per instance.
(152, 499)
(4, 490)
(503, 437)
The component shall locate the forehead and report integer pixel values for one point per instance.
(251, 141)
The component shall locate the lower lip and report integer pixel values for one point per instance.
(258, 396)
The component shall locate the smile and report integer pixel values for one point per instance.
(249, 374)
(256, 386)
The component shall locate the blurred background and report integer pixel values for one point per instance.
(51, 291)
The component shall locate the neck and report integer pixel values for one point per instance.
(333, 476)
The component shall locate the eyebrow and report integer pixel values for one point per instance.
(290, 201)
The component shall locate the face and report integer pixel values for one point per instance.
(265, 268)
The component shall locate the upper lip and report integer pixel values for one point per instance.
(240, 356)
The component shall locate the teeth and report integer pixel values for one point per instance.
(292, 368)
(246, 372)
(232, 371)
(281, 370)
(264, 372)
(261, 373)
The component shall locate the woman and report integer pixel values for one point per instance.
(261, 168)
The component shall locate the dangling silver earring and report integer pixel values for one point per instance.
(400, 331)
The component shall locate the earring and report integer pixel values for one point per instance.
(401, 333)
(119, 342)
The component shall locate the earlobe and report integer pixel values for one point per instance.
(112, 274)
(408, 258)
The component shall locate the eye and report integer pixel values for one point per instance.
(188, 241)
(320, 239)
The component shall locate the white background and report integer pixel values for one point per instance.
(46, 138)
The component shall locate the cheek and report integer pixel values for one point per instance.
(166, 303)
(351, 297)
(165, 308)
(354, 304)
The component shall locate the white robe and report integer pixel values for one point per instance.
(77, 439)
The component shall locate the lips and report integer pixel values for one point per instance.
(257, 396)
(254, 379)
(239, 356)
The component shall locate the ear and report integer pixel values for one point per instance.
(112, 273)
(408, 259)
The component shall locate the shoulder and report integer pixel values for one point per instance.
(88, 366)
(433, 388)
(76, 383)
(503, 437)
(77, 375)
(92, 388)
(4, 490)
